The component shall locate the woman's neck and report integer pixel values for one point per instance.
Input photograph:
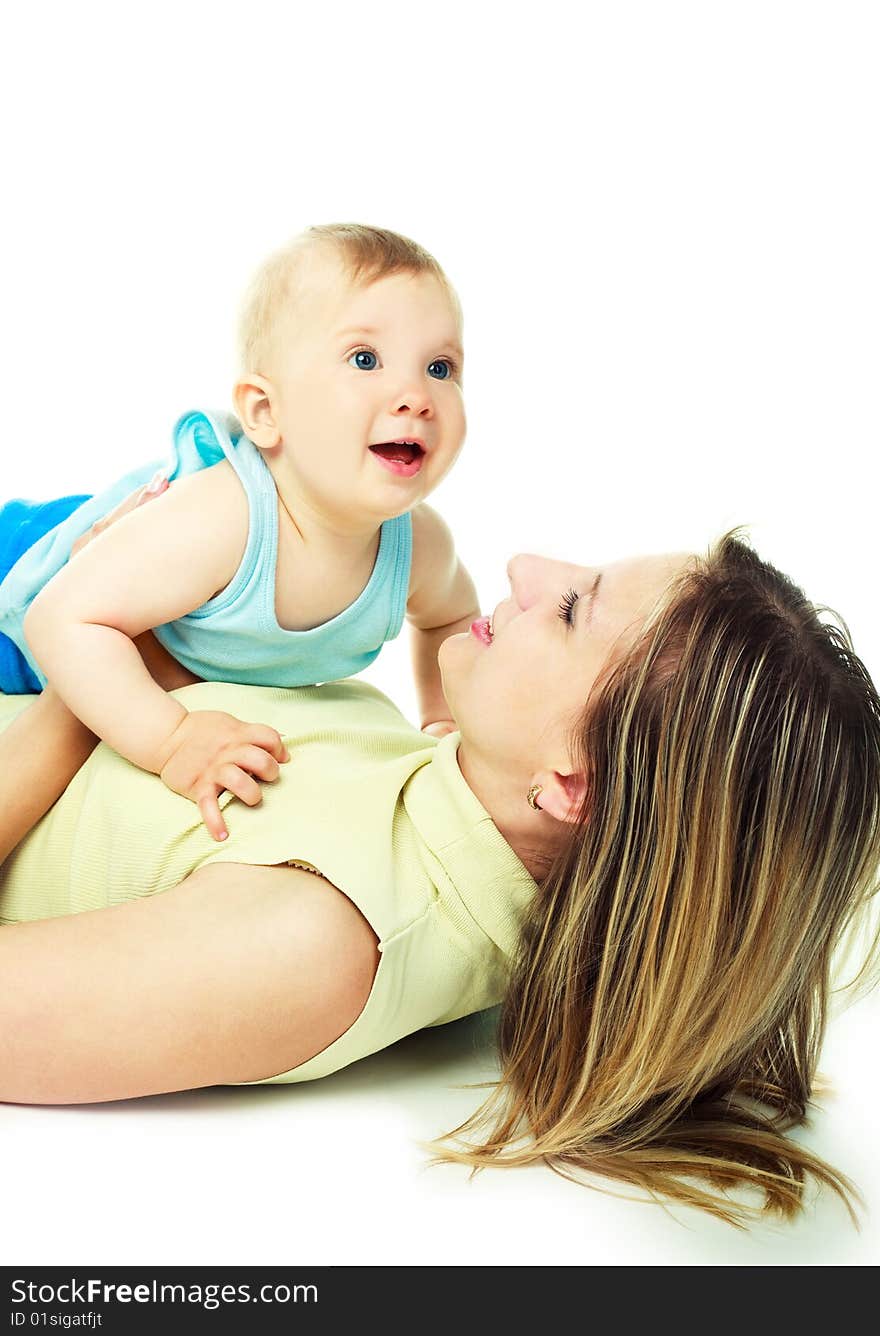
(533, 836)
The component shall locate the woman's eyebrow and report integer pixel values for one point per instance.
(590, 600)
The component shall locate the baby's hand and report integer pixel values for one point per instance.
(210, 751)
(440, 727)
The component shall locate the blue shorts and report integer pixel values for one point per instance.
(22, 523)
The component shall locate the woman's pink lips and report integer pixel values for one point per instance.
(480, 628)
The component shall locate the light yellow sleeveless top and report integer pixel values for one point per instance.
(376, 806)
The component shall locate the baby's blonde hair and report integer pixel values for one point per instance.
(367, 254)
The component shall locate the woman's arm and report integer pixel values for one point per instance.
(42, 749)
(40, 752)
(237, 974)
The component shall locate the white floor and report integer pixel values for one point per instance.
(330, 1172)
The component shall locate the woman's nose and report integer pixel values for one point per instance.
(533, 578)
(525, 572)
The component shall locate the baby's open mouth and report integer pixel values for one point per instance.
(403, 457)
(402, 451)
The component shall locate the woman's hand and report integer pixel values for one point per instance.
(155, 487)
(210, 751)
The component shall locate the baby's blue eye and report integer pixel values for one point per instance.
(364, 360)
(443, 369)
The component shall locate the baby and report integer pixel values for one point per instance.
(295, 536)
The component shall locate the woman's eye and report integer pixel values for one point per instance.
(566, 605)
(364, 359)
(442, 369)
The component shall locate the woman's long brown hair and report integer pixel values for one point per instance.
(668, 1002)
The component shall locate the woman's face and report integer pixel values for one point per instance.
(516, 697)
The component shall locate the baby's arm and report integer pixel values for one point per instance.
(442, 601)
(159, 562)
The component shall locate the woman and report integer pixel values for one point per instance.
(659, 819)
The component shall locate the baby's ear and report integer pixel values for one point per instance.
(253, 398)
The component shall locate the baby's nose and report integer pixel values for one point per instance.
(415, 402)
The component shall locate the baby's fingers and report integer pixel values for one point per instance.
(242, 785)
(211, 814)
(257, 762)
(261, 735)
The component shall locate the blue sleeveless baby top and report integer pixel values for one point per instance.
(235, 637)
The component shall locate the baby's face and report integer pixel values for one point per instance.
(368, 396)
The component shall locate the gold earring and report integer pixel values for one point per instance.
(532, 795)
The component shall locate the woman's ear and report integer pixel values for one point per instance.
(253, 399)
(561, 796)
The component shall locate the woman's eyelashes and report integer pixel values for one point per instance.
(566, 606)
(367, 359)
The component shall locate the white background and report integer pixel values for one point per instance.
(662, 221)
